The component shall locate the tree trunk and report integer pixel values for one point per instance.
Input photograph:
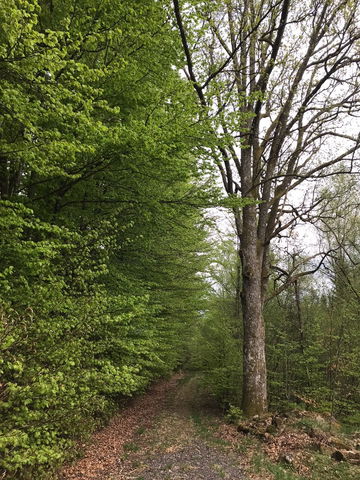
(238, 288)
(299, 317)
(254, 400)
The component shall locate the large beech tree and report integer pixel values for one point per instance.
(278, 82)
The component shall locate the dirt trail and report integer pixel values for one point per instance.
(168, 434)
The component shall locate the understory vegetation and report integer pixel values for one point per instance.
(312, 339)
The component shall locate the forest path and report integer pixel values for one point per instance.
(167, 434)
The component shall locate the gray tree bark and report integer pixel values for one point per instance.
(277, 86)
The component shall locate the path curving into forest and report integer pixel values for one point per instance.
(167, 434)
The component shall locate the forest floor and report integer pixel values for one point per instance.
(167, 434)
(173, 432)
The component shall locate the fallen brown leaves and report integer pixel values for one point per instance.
(287, 447)
(102, 456)
(293, 439)
(290, 440)
(291, 448)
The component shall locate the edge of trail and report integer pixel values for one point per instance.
(102, 455)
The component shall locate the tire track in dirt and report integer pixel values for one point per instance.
(181, 445)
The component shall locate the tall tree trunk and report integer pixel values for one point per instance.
(238, 286)
(254, 400)
(299, 317)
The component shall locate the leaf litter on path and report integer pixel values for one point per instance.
(102, 455)
(157, 438)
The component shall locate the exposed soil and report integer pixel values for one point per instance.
(167, 434)
(174, 433)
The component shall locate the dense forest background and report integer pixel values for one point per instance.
(109, 276)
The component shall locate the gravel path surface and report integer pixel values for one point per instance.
(181, 444)
(167, 434)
